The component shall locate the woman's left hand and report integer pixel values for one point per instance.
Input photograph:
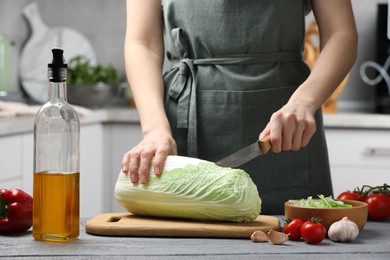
(291, 127)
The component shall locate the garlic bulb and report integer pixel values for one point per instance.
(343, 230)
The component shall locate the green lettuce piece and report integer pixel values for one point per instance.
(192, 189)
(322, 202)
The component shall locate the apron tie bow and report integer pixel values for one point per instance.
(184, 87)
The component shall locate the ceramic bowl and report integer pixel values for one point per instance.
(357, 213)
(94, 95)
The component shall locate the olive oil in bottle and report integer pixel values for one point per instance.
(56, 214)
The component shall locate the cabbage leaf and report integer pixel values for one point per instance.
(190, 188)
(321, 202)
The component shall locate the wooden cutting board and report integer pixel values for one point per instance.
(127, 224)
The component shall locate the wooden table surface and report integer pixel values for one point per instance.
(373, 242)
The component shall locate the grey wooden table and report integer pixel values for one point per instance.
(373, 243)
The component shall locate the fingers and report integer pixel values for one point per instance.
(133, 168)
(290, 130)
(130, 164)
(161, 155)
(296, 138)
(144, 166)
(276, 127)
(137, 162)
(159, 159)
(310, 129)
(265, 132)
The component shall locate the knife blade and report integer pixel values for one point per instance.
(260, 147)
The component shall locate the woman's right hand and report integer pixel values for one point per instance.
(156, 145)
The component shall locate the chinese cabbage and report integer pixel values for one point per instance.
(192, 189)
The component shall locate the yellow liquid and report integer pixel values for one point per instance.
(56, 210)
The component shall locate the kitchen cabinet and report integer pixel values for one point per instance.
(16, 169)
(118, 139)
(92, 186)
(358, 157)
(10, 157)
(27, 151)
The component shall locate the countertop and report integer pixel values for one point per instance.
(373, 242)
(24, 124)
(350, 120)
(357, 120)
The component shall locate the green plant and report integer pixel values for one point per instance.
(81, 72)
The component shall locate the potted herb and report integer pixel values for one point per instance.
(91, 85)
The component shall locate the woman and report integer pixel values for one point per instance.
(237, 75)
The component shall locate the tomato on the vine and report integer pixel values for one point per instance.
(349, 195)
(312, 231)
(377, 198)
(378, 206)
(293, 228)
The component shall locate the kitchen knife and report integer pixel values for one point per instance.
(260, 147)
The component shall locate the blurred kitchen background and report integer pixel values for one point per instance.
(102, 22)
(106, 134)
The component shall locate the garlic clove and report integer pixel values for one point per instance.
(276, 237)
(259, 236)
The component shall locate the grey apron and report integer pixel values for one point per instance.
(234, 63)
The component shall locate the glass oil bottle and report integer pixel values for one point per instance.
(56, 214)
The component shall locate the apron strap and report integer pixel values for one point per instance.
(183, 88)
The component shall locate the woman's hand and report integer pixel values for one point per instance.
(156, 145)
(291, 127)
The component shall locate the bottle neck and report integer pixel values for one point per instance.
(57, 91)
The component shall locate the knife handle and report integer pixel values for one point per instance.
(265, 144)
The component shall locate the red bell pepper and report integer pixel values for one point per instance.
(15, 211)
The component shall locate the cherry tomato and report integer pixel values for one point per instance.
(313, 232)
(293, 229)
(349, 195)
(378, 206)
